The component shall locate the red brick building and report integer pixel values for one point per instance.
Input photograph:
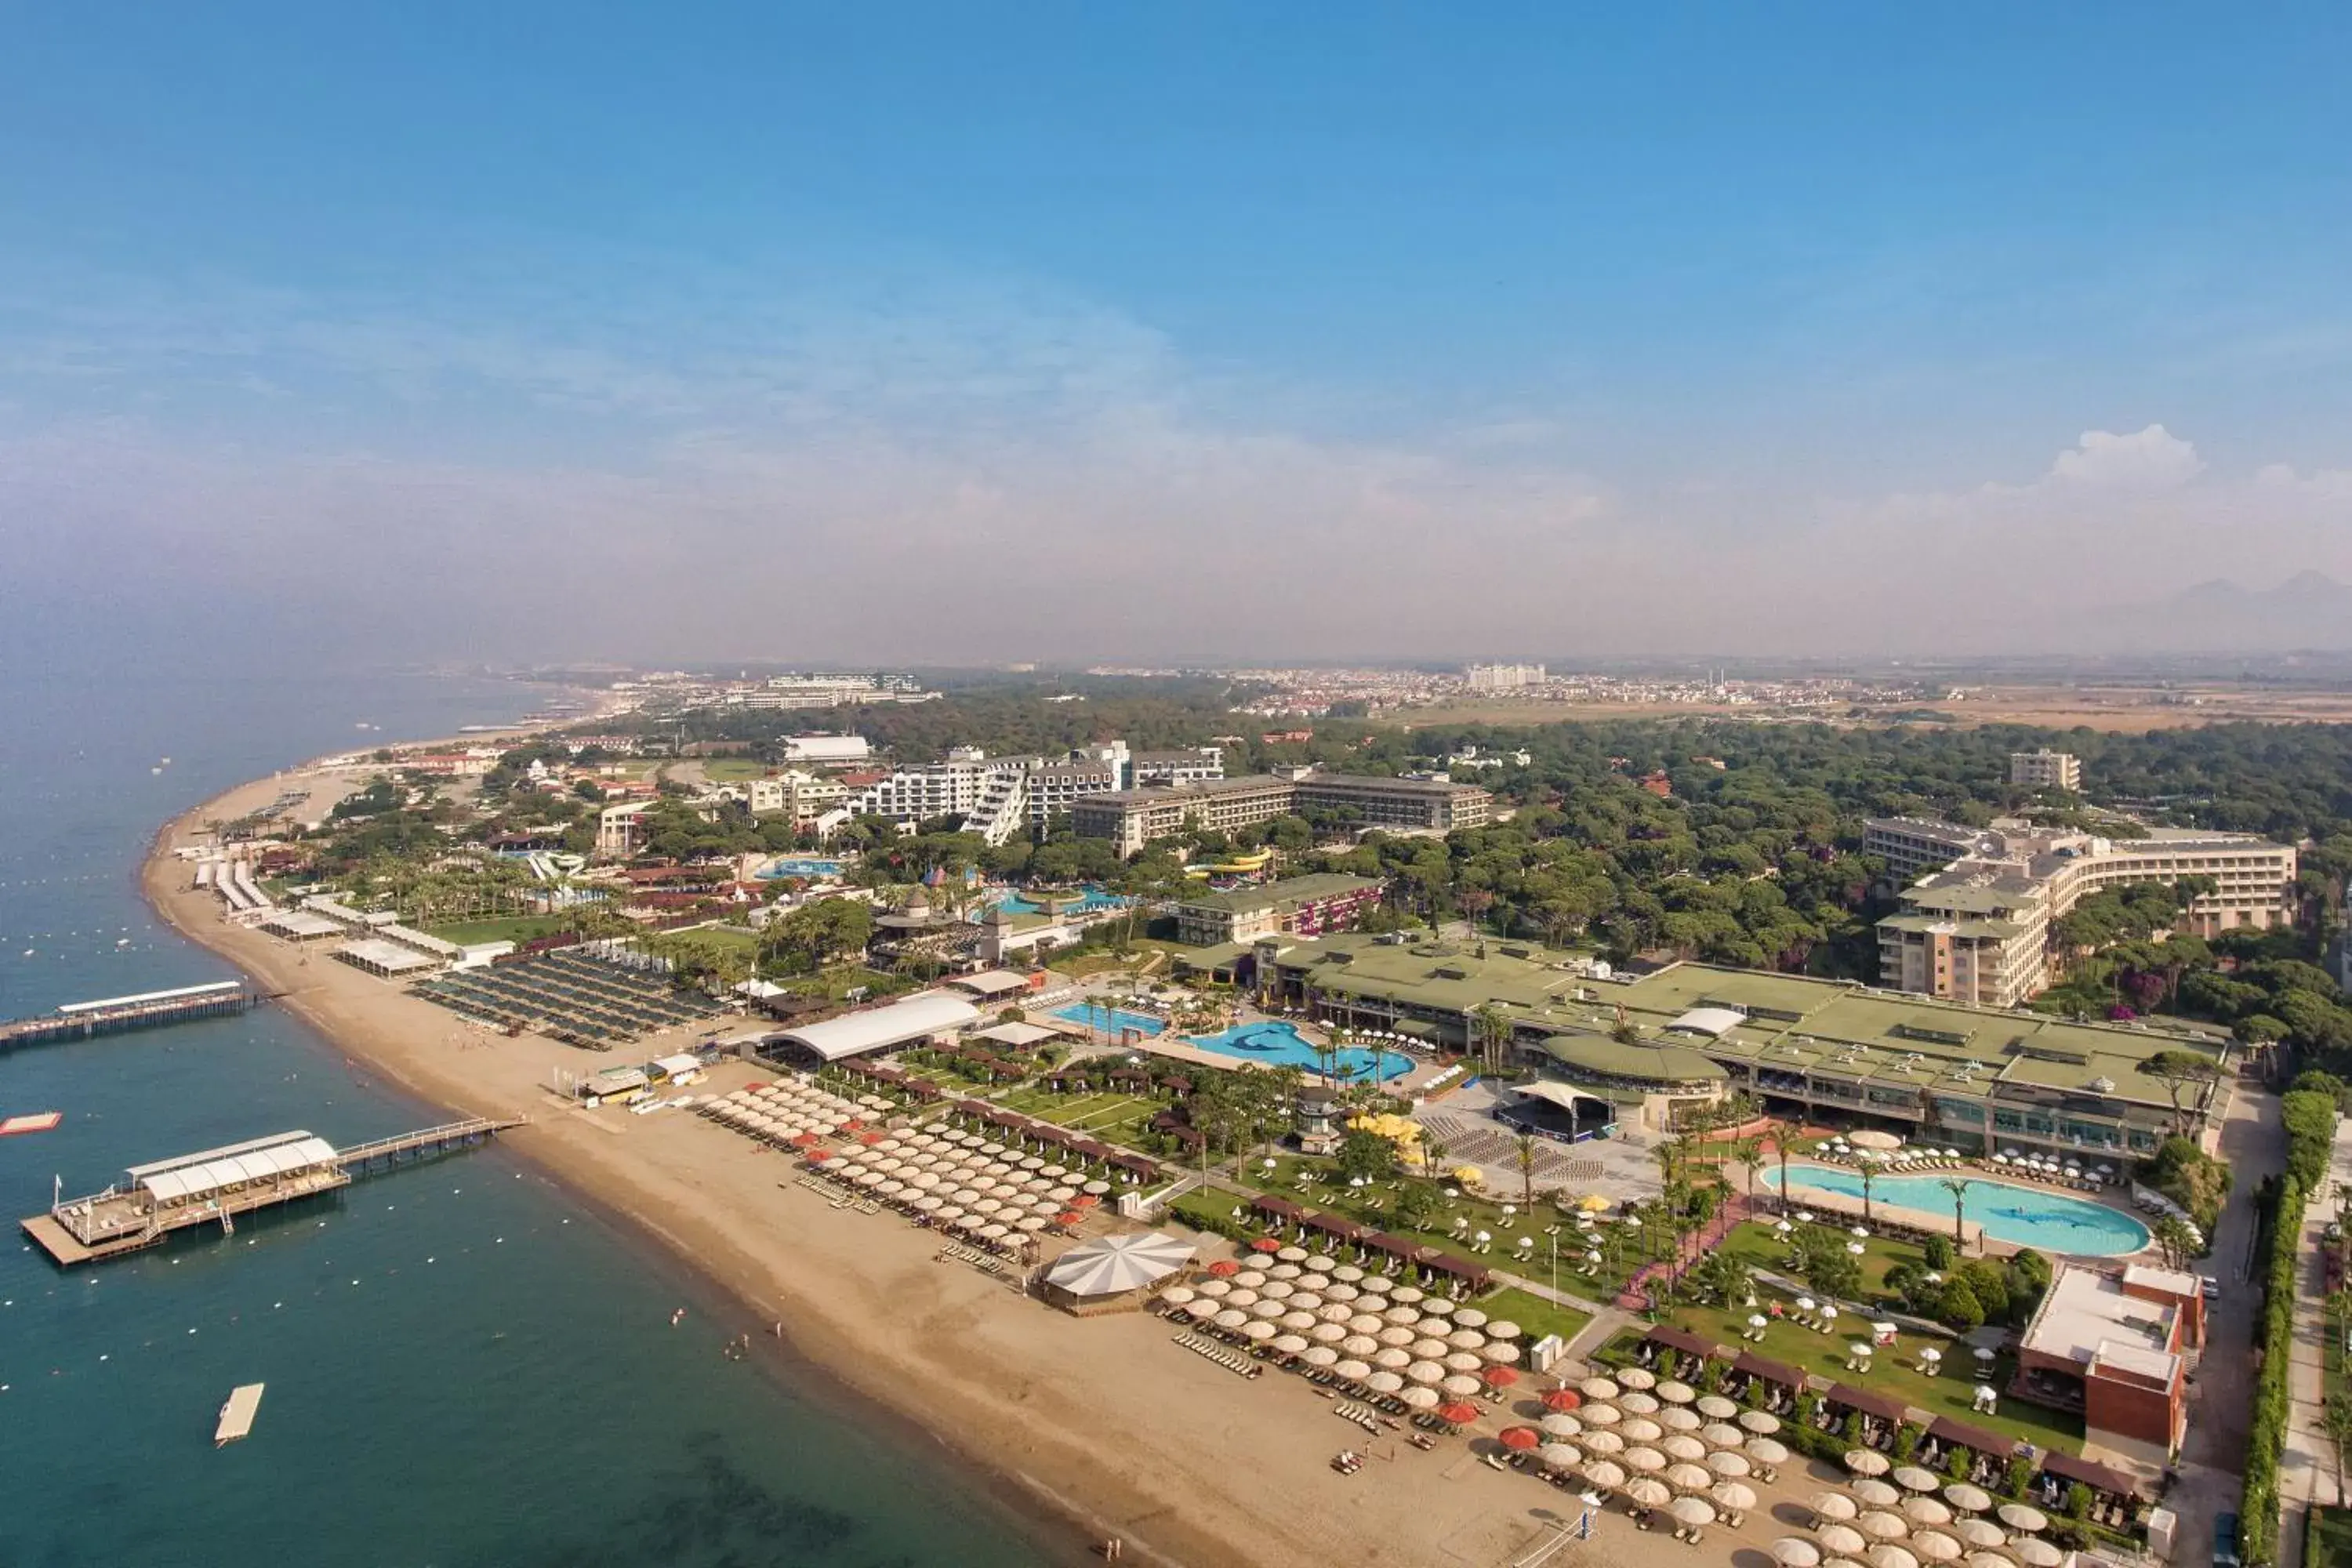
(2117, 1348)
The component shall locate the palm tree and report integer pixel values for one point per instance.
(1780, 1146)
(1747, 1151)
(2335, 1420)
(1869, 1172)
(1959, 1187)
(1525, 1147)
(1491, 1028)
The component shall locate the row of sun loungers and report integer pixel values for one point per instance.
(1232, 1361)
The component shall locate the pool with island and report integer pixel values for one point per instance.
(2023, 1216)
(1270, 1043)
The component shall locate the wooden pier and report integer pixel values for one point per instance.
(114, 1015)
(158, 1201)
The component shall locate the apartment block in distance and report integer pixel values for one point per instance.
(2046, 769)
(1299, 906)
(1979, 928)
(1133, 818)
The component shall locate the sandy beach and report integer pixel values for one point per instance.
(1105, 1420)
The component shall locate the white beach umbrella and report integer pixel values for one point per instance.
(1766, 1451)
(2035, 1552)
(1603, 1416)
(1560, 1424)
(1637, 1377)
(1687, 1476)
(1327, 1333)
(1463, 1361)
(1680, 1446)
(1425, 1372)
(1259, 1330)
(1979, 1534)
(1383, 1381)
(1881, 1525)
(1935, 1546)
(1761, 1423)
(1230, 1319)
(1637, 1403)
(1289, 1344)
(1678, 1419)
(1721, 1435)
(1913, 1478)
(1715, 1407)
(1429, 1350)
(1795, 1552)
(1559, 1456)
(1728, 1465)
(1299, 1323)
(1601, 1440)
(1639, 1429)
(1353, 1370)
(1647, 1460)
(1926, 1511)
(1394, 1335)
(2020, 1516)
(1867, 1462)
(1596, 1388)
(1968, 1498)
(1605, 1474)
(1360, 1344)
(1872, 1493)
(1733, 1497)
(1843, 1539)
(1461, 1387)
(1392, 1359)
(1319, 1356)
(1832, 1507)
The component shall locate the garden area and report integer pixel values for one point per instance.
(1111, 1118)
(1536, 1315)
(515, 929)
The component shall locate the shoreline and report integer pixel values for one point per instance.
(1097, 1428)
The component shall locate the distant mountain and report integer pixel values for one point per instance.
(2309, 610)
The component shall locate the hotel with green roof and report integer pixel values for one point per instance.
(1978, 1078)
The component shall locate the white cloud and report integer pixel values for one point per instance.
(2150, 458)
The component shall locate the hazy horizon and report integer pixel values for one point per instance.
(911, 336)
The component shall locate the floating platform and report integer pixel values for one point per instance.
(236, 1415)
(156, 1201)
(38, 1121)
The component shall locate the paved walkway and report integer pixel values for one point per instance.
(2307, 1468)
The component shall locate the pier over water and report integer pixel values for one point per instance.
(155, 1201)
(147, 1010)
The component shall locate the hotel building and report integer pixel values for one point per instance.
(2116, 1348)
(1133, 818)
(2046, 769)
(1301, 906)
(1979, 929)
(1000, 797)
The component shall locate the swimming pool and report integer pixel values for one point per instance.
(1113, 1019)
(800, 866)
(2027, 1217)
(1087, 902)
(1281, 1045)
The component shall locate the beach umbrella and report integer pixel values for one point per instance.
(1886, 1556)
(1330, 1334)
(1335, 1292)
(1637, 1403)
(1603, 1416)
(1319, 1355)
(1689, 1478)
(1384, 1382)
(1795, 1552)
(1881, 1525)
(1253, 1277)
(1519, 1439)
(1429, 1349)
(1561, 1399)
(1500, 1352)
(1499, 1377)
(1465, 1338)
(1866, 1462)
(1759, 1422)
(1278, 1288)
(1875, 1494)
(1912, 1478)
(1353, 1370)
(1469, 1318)
(1733, 1497)
(1721, 1435)
(1926, 1511)
(1225, 1269)
(1392, 1359)
(1637, 1377)
(1289, 1254)
(1676, 1393)
(1298, 1323)
(1691, 1511)
(1646, 1460)
(1371, 1284)
(1230, 1319)
(1244, 1296)
(1560, 1424)
(1766, 1451)
(1436, 1306)
(1290, 1345)
(1601, 1473)
(1641, 1429)
(1985, 1559)
(1258, 1331)
(1214, 1287)
(1647, 1491)
(1559, 1457)
(1498, 1328)
(1387, 1333)
(1966, 1497)
(1177, 1295)
(1460, 1387)
(1935, 1546)
(1728, 1465)
(1402, 1317)
(1715, 1407)
(1601, 1440)
(1460, 1413)
(1596, 1388)
(2019, 1516)
(1425, 1372)
(1681, 1448)
(1979, 1533)
(1463, 1361)
(1408, 1294)
(1356, 1344)
(2035, 1552)
(1833, 1506)
(1843, 1539)
(1679, 1419)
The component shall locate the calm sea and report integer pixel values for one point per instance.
(465, 1367)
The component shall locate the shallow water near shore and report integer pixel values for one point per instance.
(464, 1365)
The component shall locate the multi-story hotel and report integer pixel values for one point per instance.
(1689, 1034)
(1133, 818)
(796, 793)
(1979, 929)
(2046, 769)
(1303, 906)
(999, 797)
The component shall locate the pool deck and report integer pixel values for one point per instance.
(1848, 1207)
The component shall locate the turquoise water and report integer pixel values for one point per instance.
(1281, 1045)
(2027, 1217)
(1112, 1019)
(1090, 898)
(465, 1366)
(801, 866)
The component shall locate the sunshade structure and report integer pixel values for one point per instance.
(1876, 1494)
(1830, 1507)
(1866, 1462)
(1911, 1477)
(1646, 1492)
(1843, 1539)
(1968, 1498)
(1115, 1265)
(2036, 1553)
(1795, 1552)
(2019, 1516)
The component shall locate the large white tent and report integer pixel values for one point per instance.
(916, 1017)
(1115, 1264)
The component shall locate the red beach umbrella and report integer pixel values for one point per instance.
(804, 1139)
(1088, 1201)
(852, 1125)
(1500, 1376)
(1562, 1399)
(1461, 1413)
(1223, 1267)
(1521, 1438)
(1068, 1217)
(819, 1156)
(870, 1139)
(1266, 1244)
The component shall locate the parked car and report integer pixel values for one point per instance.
(2225, 1541)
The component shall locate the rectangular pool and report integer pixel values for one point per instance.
(1115, 1020)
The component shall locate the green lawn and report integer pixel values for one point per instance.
(733, 770)
(512, 928)
(1757, 1244)
(1113, 1117)
(1536, 1315)
(1894, 1373)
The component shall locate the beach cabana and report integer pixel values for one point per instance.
(1113, 1273)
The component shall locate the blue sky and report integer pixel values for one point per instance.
(1589, 327)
